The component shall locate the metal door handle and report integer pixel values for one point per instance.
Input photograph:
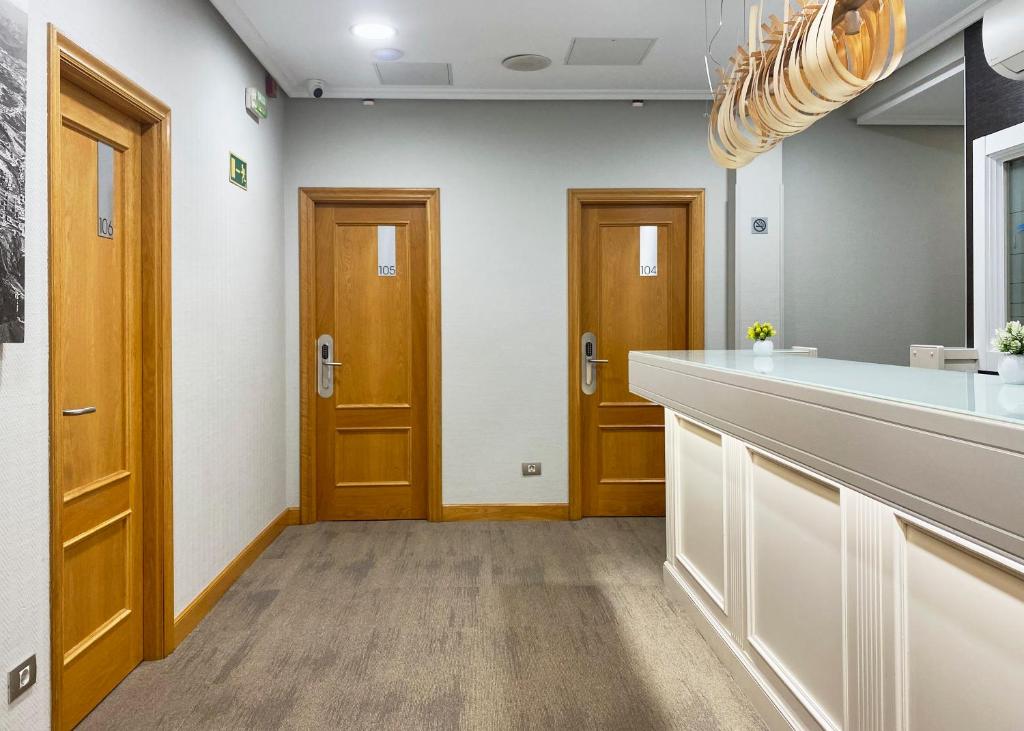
(325, 366)
(79, 412)
(588, 363)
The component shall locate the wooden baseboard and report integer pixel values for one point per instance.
(207, 599)
(506, 512)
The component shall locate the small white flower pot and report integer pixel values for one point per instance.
(1011, 369)
(763, 347)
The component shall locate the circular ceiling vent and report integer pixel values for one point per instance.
(526, 62)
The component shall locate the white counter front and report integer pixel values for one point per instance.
(850, 535)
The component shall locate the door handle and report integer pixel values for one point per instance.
(588, 363)
(79, 412)
(325, 365)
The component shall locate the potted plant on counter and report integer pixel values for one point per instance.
(762, 333)
(1010, 342)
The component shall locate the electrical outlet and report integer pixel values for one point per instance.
(531, 469)
(21, 679)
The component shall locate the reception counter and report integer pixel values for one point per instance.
(849, 536)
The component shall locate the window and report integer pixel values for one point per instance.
(998, 237)
(1015, 239)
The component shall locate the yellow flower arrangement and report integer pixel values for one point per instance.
(760, 331)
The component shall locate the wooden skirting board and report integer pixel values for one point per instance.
(543, 511)
(207, 599)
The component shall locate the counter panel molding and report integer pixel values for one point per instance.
(963, 634)
(843, 612)
(700, 510)
(794, 540)
(856, 562)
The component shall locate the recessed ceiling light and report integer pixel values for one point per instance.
(387, 54)
(373, 31)
(526, 62)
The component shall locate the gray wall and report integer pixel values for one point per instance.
(228, 420)
(503, 169)
(874, 240)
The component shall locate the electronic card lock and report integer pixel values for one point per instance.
(589, 363)
(325, 366)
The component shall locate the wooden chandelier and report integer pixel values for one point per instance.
(796, 70)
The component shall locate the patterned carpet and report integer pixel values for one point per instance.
(414, 625)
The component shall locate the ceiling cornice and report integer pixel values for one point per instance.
(258, 46)
(965, 18)
(455, 93)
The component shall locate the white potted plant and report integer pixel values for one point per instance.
(1010, 342)
(762, 333)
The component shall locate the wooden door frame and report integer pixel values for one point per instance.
(578, 198)
(68, 62)
(309, 198)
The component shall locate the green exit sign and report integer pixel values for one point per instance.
(256, 103)
(238, 172)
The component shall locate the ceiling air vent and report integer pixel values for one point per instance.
(403, 73)
(608, 51)
(526, 62)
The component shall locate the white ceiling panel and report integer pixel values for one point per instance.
(302, 39)
(401, 73)
(608, 51)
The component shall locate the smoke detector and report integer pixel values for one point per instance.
(526, 62)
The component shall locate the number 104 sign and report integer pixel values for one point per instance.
(648, 251)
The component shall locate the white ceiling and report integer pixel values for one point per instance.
(301, 39)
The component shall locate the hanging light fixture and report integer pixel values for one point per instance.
(796, 70)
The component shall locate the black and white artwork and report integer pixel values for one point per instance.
(13, 81)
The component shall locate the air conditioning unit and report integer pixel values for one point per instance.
(1002, 31)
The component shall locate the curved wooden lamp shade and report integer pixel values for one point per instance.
(800, 68)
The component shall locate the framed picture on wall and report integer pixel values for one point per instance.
(13, 82)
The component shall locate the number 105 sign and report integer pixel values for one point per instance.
(386, 252)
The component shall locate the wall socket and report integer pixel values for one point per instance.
(21, 679)
(531, 469)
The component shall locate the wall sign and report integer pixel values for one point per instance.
(238, 172)
(256, 103)
(105, 190)
(13, 80)
(758, 225)
(386, 252)
(648, 251)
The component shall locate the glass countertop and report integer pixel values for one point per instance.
(973, 394)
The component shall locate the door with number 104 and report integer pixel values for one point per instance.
(633, 297)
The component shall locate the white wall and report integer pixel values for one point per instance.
(503, 169)
(758, 271)
(227, 293)
(874, 241)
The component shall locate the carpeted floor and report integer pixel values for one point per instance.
(414, 625)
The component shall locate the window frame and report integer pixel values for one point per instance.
(991, 153)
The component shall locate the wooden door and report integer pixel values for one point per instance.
(372, 438)
(628, 304)
(96, 386)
